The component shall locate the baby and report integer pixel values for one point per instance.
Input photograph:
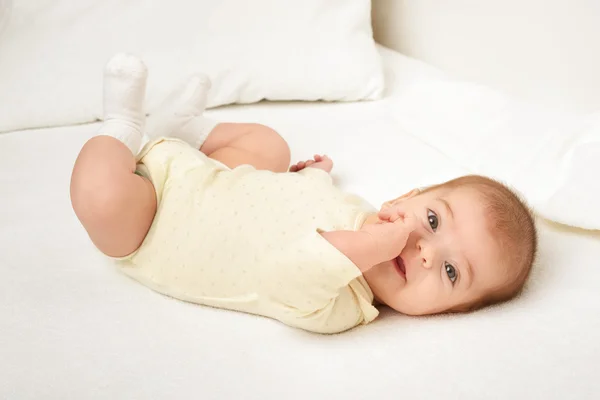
(211, 213)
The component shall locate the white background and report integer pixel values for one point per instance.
(547, 51)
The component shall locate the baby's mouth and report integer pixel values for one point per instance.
(400, 267)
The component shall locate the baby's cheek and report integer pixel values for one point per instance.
(429, 293)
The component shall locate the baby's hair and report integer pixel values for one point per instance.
(512, 222)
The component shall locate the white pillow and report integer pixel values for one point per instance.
(53, 52)
(549, 156)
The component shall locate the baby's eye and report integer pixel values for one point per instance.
(451, 272)
(433, 219)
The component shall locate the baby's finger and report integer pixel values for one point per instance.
(410, 222)
(396, 215)
(385, 214)
(393, 213)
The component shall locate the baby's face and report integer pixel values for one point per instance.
(451, 258)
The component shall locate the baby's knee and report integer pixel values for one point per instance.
(97, 201)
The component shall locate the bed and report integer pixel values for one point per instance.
(73, 327)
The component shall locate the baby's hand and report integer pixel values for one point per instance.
(391, 233)
(391, 214)
(321, 162)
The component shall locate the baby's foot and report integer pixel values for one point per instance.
(321, 162)
(124, 90)
(180, 115)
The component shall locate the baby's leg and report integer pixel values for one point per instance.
(236, 144)
(114, 205)
(233, 144)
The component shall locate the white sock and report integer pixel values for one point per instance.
(180, 115)
(124, 90)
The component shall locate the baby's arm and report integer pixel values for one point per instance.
(358, 246)
(373, 243)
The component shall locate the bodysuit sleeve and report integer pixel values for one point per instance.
(316, 286)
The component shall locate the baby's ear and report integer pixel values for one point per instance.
(405, 196)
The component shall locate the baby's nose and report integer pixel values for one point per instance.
(426, 258)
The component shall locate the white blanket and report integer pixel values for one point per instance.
(72, 327)
(550, 156)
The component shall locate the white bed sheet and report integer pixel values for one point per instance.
(72, 327)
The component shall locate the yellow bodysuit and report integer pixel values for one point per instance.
(248, 240)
